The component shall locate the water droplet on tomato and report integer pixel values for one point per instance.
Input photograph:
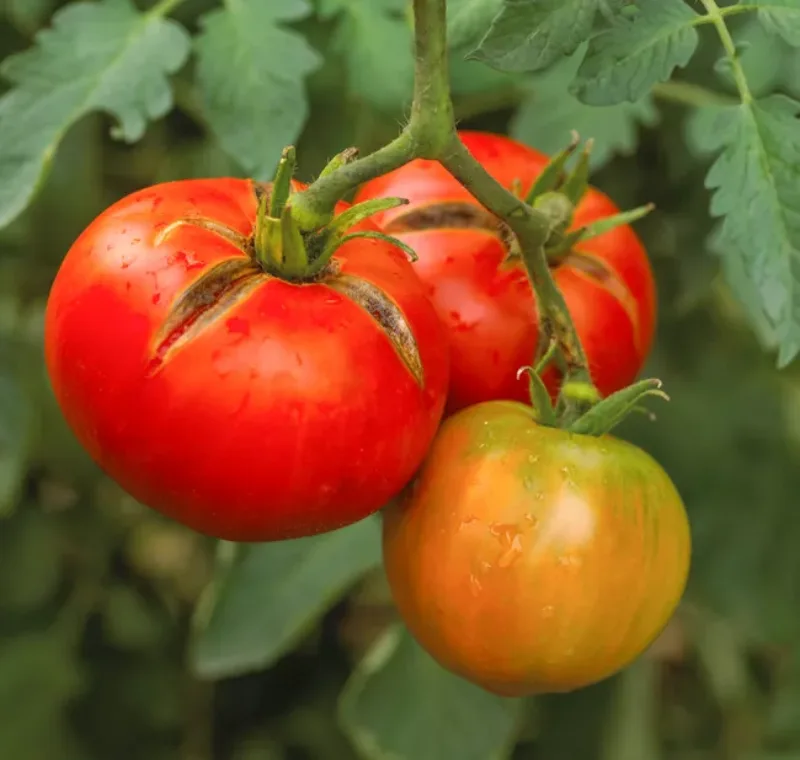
(471, 520)
(474, 584)
(533, 459)
(512, 554)
(548, 611)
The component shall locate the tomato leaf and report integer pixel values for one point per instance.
(375, 41)
(251, 75)
(267, 595)
(124, 60)
(781, 17)
(548, 115)
(467, 20)
(529, 35)
(755, 182)
(625, 61)
(400, 703)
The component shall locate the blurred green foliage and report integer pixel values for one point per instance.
(117, 638)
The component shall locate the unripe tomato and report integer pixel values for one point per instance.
(245, 406)
(528, 559)
(484, 298)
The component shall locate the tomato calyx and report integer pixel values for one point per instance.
(284, 251)
(219, 289)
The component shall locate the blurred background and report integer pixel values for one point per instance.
(114, 647)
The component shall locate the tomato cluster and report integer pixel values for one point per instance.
(256, 407)
(483, 295)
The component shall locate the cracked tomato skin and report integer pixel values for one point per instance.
(486, 302)
(243, 406)
(527, 559)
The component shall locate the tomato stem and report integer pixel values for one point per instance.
(431, 133)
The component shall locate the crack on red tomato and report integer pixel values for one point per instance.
(212, 296)
(389, 317)
(450, 215)
(597, 270)
(242, 242)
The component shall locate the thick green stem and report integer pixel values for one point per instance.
(432, 121)
(313, 208)
(431, 134)
(715, 17)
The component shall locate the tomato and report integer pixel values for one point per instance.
(485, 300)
(245, 406)
(528, 559)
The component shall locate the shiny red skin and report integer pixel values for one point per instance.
(291, 414)
(487, 305)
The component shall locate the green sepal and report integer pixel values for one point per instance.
(295, 258)
(552, 175)
(563, 245)
(374, 235)
(347, 156)
(601, 226)
(546, 357)
(282, 184)
(355, 214)
(577, 183)
(611, 411)
(540, 397)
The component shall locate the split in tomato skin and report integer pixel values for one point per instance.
(484, 298)
(246, 407)
(531, 560)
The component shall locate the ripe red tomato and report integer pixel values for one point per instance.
(244, 406)
(485, 300)
(528, 559)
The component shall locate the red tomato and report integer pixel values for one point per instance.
(244, 406)
(485, 300)
(528, 559)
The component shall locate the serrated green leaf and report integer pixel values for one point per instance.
(548, 114)
(251, 74)
(400, 704)
(376, 43)
(625, 61)
(529, 35)
(781, 17)
(468, 20)
(756, 183)
(122, 68)
(272, 593)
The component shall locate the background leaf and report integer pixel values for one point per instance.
(376, 42)
(401, 703)
(272, 593)
(625, 61)
(468, 20)
(548, 114)
(251, 72)
(756, 179)
(528, 35)
(781, 17)
(125, 57)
